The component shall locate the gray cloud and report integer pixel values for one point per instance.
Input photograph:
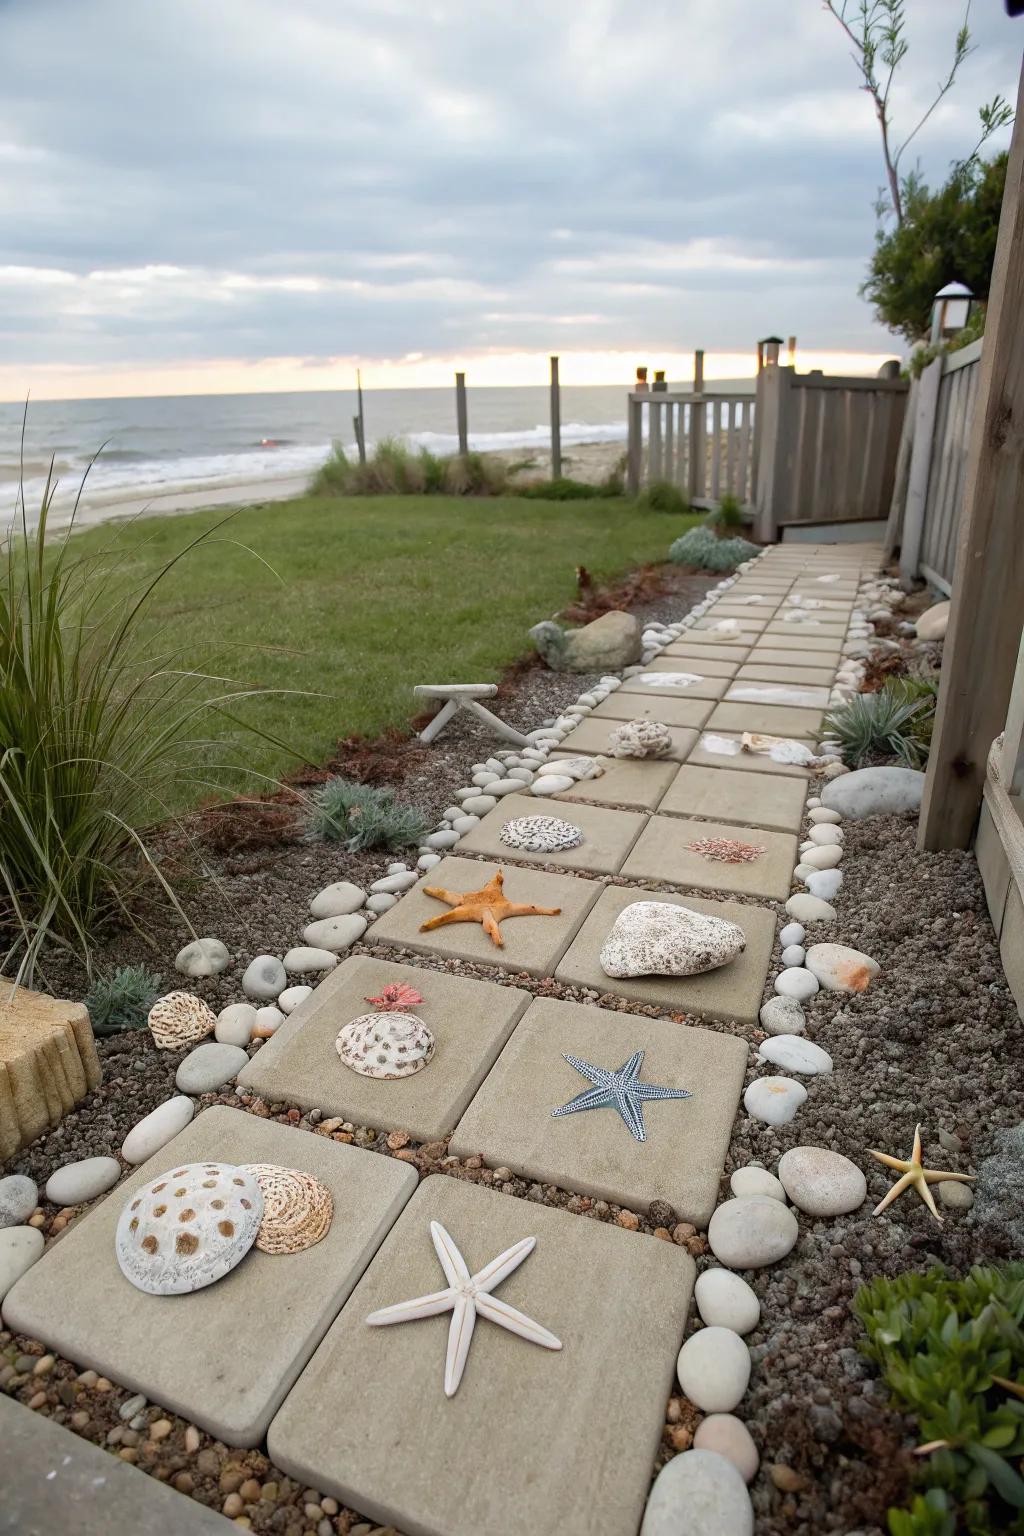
(331, 177)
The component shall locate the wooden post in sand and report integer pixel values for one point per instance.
(791, 352)
(695, 485)
(556, 423)
(461, 413)
(359, 420)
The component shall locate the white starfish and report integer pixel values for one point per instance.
(466, 1296)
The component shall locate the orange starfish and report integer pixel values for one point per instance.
(486, 906)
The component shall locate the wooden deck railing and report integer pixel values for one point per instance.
(701, 441)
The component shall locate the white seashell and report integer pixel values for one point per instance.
(179, 1019)
(188, 1228)
(297, 1209)
(540, 834)
(572, 768)
(640, 738)
(386, 1045)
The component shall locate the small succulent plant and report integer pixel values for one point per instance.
(701, 548)
(361, 816)
(122, 1000)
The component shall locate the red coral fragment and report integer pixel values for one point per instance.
(397, 996)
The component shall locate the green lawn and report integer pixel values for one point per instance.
(351, 601)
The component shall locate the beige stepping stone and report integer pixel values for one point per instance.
(706, 754)
(705, 660)
(608, 835)
(809, 641)
(663, 852)
(787, 695)
(703, 686)
(797, 676)
(732, 992)
(432, 1465)
(822, 630)
(592, 1152)
(771, 801)
(729, 608)
(821, 659)
(531, 944)
(746, 620)
(775, 719)
(223, 1357)
(469, 1020)
(679, 710)
(841, 605)
(709, 642)
(633, 782)
(591, 736)
(59, 1472)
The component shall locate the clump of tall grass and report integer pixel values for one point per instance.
(663, 496)
(392, 469)
(895, 722)
(97, 734)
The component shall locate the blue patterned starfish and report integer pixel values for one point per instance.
(621, 1090)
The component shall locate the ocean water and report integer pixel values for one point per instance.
(148, 447)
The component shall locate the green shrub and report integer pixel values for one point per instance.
(895, 722)
(702, 549)
(392, 469)
(361, 816)
(562, 489)
(727, 517)
(123, 999)
(663, 496)
(98, 732)
(952, 1354)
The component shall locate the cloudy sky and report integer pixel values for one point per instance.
(253, 193)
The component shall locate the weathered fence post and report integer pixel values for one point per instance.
(359, 421)
(983, 635)
(461, 413)
(695, 478)
(901, 477)
(556, 423)
(791, 351)
(634, 445)
(776, 443)
(920, 467)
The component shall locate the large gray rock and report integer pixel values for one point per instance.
(700, 1492)
(18, 1199)
(654, 938)
(208, 1066)
(611, 642)
(874, 792)
(931, 625)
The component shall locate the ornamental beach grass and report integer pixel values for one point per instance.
(97, 734)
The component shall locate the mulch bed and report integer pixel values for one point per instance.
(935, 1039)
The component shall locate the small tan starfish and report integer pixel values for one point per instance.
(914, 1173)
(486, 906)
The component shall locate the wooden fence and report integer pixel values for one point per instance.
(925, 514)
(701, 441)
(827, 448)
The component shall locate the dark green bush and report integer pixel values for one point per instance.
(663, 496)
(727, 517)
(562, 489)
(952, 1354)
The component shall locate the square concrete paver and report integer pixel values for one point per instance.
(801, 642)
(731, 992)
(718, 794)
(224, 1356)
(774, 719)
(638, 783)
(729, 607)
(797, 675)
(531, 944)
(819, 630)
(470, 1021)
(593, 1153)
(709, 753)
(683, 709)
(535, 1442)
(608, 835)
(704, 642)
(747, 622)
(703, 661)
(821, 660)
(591, 736)
(785, 695)
(663, 852)
(53, 1475)
(701, 684)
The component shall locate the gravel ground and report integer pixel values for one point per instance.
(936, 1039)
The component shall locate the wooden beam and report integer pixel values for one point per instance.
(556, 423)
(920, 470)
(984, 629)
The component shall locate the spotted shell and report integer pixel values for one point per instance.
(297, 1209)
(188, 1228)
(180, 1019)
(386, 1044)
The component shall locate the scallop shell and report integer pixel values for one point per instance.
(188, 1228)
(180, 1019)
(540, 834)
(297, 1209)
(385, 1044)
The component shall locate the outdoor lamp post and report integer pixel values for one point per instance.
(768, 350)
(950, 311)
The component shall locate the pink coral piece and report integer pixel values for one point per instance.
(396, 996)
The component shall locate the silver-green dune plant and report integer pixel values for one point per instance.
(703, 549)
(894, 722)
(122, 1000)
(361, 816)
(97, 734)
